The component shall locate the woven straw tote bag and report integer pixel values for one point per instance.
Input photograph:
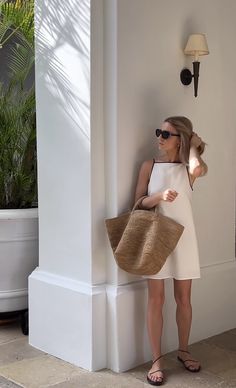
(142, 240)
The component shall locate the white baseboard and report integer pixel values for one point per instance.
(67, 319)
(104, 326)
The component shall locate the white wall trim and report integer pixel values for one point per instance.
(67, 319)
(119, 289)
(226, 265)
(72, 284)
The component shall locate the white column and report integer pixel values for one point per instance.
(128, 344)
(101, 91)
(67, 298)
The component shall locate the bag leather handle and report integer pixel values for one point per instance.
(137, 203)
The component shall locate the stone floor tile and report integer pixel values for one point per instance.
(225, 340)
(174, 379)
(229, 376)
(105, 379)
(17, 350)
(232, 331)
(10, 332)
(177, 377)
(213, 358)
(23, 366)
(4, 383)
(40, 372)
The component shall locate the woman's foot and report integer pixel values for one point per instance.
(189, 363)
(155, 375)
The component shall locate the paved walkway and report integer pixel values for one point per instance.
(23, 366)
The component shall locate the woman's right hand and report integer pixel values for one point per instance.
(169, 195)
(153, 200)
(195, 140)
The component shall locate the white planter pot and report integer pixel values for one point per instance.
(18, 256)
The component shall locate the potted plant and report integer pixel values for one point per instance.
(18, 171)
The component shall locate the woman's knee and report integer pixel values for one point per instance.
(156, 293)
(182, 292)
(182, 300)
(156, 301)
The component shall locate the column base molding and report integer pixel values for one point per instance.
(104, 326)
(67, 319)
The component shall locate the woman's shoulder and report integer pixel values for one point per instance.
(144, 178)
(147, 164)
(146, 168)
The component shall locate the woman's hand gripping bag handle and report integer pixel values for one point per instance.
(115, 226)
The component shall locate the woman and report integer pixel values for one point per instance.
(168, 183)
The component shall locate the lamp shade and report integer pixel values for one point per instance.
(196, 45)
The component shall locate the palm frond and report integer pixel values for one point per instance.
(18, 178)
(18, 170)
(17, 16)
(21, 62)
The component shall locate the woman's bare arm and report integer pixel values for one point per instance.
(143, 179)
(142, 186)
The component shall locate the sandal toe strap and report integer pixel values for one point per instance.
(189, 360)
(158, 370)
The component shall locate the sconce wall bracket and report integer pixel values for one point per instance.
(186, 77)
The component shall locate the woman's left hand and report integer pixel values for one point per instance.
(195, 140)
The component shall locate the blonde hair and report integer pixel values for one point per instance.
(185, 128)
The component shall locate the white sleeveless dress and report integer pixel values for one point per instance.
(183, 262)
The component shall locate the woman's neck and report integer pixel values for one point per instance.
(171, 157)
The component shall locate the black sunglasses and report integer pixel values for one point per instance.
(165, 134)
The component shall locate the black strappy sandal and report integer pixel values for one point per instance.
(161, 379)
(189, 368)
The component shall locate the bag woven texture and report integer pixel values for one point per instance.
(142, 240)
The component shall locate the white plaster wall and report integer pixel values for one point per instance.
(143, 47)
(150, 59)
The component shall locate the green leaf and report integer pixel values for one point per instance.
(18, 169)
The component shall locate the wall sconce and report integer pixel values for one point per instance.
(196, 46)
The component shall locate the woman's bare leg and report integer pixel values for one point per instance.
(156, 296)
(182, 291)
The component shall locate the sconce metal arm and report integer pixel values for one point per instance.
(186, 76)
